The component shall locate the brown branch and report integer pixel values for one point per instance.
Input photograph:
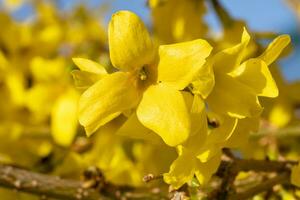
(54, 187)
(223, 15)
(45, 185)
(229, 169)
(262, 187)
(262, 165)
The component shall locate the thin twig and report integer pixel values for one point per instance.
(223, 15)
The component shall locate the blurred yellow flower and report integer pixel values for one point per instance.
(178, 20)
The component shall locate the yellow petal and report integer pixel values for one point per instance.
(281, 113)
(255, 74)
(164, 111)
(84, 80)
(204, 81)
(181, 171)
(208, 152)
(64, 118)
(226, 126)
(48, 69)
(230, 58)
(204, 171)
(134, 129)
(275, 48)
(105, 100)
(180, 63)
(198, 122)
(174, 20)
(90, 66)
(241, 133)
(196, 107)
(234, 98)
(129, 42)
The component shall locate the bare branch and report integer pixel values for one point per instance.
(45, 185)
(54, 187)
(262, 187)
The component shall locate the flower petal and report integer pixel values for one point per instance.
(226, 126)
(204, 81)
(241, 133)
(64, 118)
(181, 170)
(199, 127)
(105, 100)
(255, 74)
(204, 171)
(90, 66)
(90, 72)
(134, 129)
(281, 112)
(196, 107)
(180, 63)
(230, 58)
(84, 80)
(234, 98)
(164, 111)
(275, 48)
(129, 41)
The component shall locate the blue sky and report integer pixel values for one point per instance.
(261, 15)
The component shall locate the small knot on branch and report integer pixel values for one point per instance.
(151, 177)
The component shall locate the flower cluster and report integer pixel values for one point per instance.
(184, 94)
(171, 98)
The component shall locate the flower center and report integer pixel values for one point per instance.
(143, 74)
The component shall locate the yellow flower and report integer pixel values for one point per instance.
(178, 20)
(65, 108)
(282, 111)
(145, 81)
(52, 95)
(239, 82)
(202, 150)
(189, 164)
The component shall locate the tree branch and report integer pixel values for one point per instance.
(262, 165)
(45, 185)
(264, 186)
(55, 187)
(230, 168)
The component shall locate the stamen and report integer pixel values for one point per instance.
(143, 74)
(213, 123)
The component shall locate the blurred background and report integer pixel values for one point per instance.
(278, 16)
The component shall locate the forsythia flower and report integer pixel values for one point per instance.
(174, 20)
(198, 151)
(146, 81)
(282, 111)
(239, 82)
(59, 100)
(238, 85)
